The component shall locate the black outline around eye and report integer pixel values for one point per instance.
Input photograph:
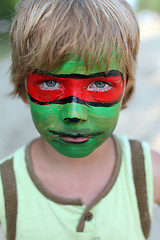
(113, 73)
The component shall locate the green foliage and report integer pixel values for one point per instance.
(4, 48)
(7, 8)
(149, 4)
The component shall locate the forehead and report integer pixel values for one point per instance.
(78, 66)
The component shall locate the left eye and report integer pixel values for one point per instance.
(49, 85)
(99, 86)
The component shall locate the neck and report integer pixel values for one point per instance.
(74, 178)
(51, 159)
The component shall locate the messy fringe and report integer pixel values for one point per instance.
(47, 33)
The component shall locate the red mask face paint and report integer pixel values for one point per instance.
(98, 89)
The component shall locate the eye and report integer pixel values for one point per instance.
(99, 86)
(49, 85)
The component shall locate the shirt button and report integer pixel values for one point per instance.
(89, 216)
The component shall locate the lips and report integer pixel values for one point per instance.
(74, 138)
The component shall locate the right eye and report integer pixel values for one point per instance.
(49, 85)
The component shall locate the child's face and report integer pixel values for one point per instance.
(73, 111)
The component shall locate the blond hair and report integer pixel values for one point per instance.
(47, 33)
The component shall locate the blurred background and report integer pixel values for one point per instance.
(140, 120)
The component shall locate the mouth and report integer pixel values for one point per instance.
(75, 138)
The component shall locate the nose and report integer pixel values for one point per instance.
(74, 113)
(72, 120)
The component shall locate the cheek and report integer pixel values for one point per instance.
(106, 115)
(44, 117)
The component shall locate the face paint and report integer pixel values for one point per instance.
(75, 113)
(94, 90)
(78, 66)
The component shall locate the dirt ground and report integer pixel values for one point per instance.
(141, 120)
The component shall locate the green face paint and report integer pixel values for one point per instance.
(73, 113)
(78, 66)
(96, 126)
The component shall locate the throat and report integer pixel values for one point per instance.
(74, 179)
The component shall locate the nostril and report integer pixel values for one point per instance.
(73, 120)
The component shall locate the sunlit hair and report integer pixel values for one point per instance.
(47, 33)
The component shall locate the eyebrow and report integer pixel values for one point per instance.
(111, 73)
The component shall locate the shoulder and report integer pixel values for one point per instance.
(13, 162)
(18, 153)
(152, 166)
(156, 175)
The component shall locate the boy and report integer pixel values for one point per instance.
(73, 62)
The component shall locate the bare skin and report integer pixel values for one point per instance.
(77, 178)
(74, 177)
